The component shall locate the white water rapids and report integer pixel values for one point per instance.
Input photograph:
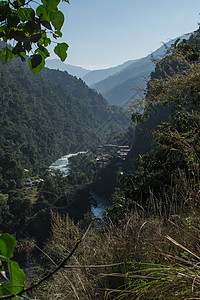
(62, 164)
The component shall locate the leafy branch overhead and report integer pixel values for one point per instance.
(32, 31)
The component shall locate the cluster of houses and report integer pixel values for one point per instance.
(122, 152)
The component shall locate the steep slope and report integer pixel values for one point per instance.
(103, 113)
(119, 88)
(40, 120)
(98, 75)
(55, 64)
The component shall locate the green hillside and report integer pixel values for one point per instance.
(41, 120)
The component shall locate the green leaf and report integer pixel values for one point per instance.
(16, 283)
(6, 54)
(51, 5)
(21, 2)
(27, 45)
(16, 274)
(5, 289)
(47, 42)
(32, 27)
(13, 19)
(43, 52)
(36, 60)
(7, 243)
(18, 3)
(44, 40)
(46, 24)
(3, 258)
(18, 35)
(61, 50)
(36, 63)
(35, 37)
(57, 19)
(26, 14)
(58, 34)
(18, 49)
(43, 13)
(4, 10)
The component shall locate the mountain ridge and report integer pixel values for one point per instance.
(77, 71)
(132, 77)
(97, 75)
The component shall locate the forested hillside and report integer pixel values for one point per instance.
(92, 99)
(41, 120)
(167, 140)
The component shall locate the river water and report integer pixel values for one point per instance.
(99, 207)
(63, 165)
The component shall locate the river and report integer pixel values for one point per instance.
(63, 165)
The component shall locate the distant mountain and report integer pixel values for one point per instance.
(79, 72)
(119, 88)
(98, 75)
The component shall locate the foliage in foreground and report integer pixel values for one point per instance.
(10, 271)
(30, 29)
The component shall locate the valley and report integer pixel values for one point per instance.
(66, 153)
(122, 84)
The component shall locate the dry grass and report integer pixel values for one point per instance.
(140, 258)
(149, 260)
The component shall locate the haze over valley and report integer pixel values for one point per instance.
(120, 84)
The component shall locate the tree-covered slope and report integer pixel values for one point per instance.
(93, 100)
(40, 120)
(166, 151)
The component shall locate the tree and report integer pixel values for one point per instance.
(163, 178)
(32, 30)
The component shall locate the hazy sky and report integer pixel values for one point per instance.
(105, 33)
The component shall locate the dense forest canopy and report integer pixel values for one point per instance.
(41, 120)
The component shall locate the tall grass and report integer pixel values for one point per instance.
(139, 258)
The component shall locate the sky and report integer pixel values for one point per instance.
(106, 33)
